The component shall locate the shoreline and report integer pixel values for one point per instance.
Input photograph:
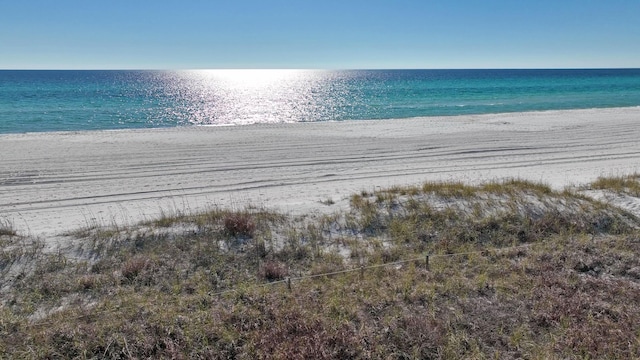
(427, 117)
(54, 182)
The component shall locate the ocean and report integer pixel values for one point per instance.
(69, 100)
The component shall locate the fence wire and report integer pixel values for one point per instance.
(289, 280)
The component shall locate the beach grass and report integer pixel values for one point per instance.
(627, 184)
(7, 228)
(506, 269)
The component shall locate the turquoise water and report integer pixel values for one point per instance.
(87, 100)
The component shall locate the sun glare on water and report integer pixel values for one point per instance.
(251, 78)
(244, 96)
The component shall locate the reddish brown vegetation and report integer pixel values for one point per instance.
(239, 225)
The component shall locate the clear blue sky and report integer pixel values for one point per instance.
(335, 34)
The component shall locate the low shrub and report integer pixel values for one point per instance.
(239, 225)
(134, 267)
(273, 271)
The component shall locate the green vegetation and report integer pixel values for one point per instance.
(515, 270)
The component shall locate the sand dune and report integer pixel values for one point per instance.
(53, 182)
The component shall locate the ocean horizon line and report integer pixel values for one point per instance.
(321, 69)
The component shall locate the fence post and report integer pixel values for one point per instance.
(426, 261)
(289, 283)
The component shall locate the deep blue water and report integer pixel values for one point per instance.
(86, 100)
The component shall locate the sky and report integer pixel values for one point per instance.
(318, 34)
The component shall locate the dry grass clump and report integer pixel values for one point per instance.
(7, 228)
(135, 267)
(515, 271)
(239, 225)
(628, 184)
(449, 189)
(273, 271)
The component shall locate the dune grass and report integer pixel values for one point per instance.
(628, 184)
(516, 270)
(7, 228)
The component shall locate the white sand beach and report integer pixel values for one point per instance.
(54, 182)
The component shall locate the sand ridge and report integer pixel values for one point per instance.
(55, 182)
